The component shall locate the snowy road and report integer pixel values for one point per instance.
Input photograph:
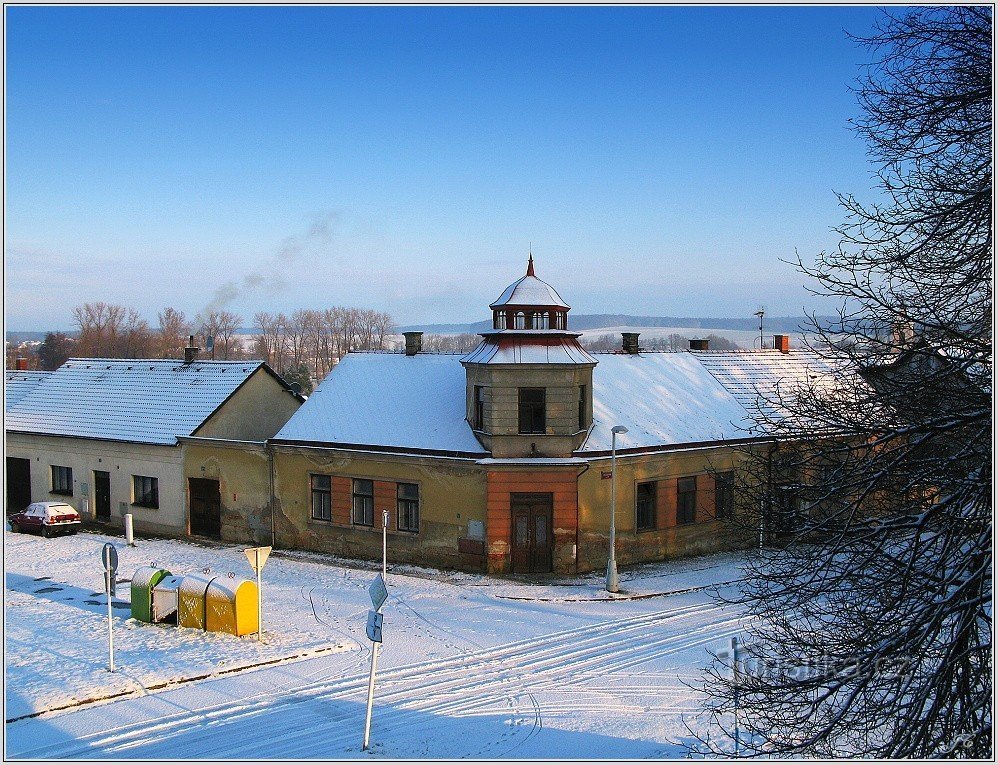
(458, 680)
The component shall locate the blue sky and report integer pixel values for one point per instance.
(657, 160)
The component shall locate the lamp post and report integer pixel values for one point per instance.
(612, 582)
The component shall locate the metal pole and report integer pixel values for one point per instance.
(110, 623)
(734, 675)
(370, 695)
(384, 546)
(612, 581)
(259, 597)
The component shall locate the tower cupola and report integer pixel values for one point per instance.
(530, 304)
(529, 382)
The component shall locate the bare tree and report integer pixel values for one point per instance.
(174, 331)
(99, 324)
(228, 323)
(266, 342)
(462, 343)
(134, 338)
(871, 616)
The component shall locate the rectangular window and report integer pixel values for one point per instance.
(583, 421)
(646, 506)
(408, 507)
(322, 498)
(145, 491)
(62, 480)
(531, 402)
(686, 500)
(788, 504)
(479, 407)
(724, 495)
(363, 502)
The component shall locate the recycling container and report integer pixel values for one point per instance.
(190, 607)
(164, 599)
(231, 606)
(143, 580)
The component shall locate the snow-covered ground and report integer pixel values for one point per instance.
(471, 666)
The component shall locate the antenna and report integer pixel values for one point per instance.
(760, 313)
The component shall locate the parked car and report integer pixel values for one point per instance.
(49, 518)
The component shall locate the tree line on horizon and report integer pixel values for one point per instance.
(302, 346)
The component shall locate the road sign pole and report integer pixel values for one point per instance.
(734, 674)
(259, 596)
(370, 695)
(384, 546)
(110, 621)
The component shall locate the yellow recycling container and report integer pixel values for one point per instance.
(190, 602)
(231, 606)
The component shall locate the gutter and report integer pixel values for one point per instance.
(383, 450)
(693, 445)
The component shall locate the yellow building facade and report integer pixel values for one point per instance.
(500, 460)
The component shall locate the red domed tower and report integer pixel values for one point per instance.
(529, 381)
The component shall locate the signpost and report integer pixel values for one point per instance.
(384, 545)
(109, 557)
(257, 557)
(735, 657)
(375, 619)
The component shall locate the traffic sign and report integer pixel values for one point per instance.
(374, 622)
(257, 557)
(378, 592)
(109, 557)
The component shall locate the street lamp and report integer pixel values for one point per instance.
(612, 582)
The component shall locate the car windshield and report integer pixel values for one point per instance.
(60, 509)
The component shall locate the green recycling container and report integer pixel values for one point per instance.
(143, 580)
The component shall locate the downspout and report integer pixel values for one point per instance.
(767, 495)
(577, 477)
(273, 500)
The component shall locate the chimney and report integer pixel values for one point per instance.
(20, 363)
(782, 343)
(630, 344)
(191, 351)
(699, 345)
(413, 343)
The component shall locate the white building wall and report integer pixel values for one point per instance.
(122, 461)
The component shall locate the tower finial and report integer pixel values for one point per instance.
(530, 265)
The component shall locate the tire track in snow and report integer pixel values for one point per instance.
(463, 686)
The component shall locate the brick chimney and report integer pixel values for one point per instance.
(20, 363)
(699, 345)
(630, 342)
(413, 343)
(782, 343)
(191, 351)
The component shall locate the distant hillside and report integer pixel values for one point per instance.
(785, 324)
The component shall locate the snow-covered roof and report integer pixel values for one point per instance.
(16, 385)
(761, 380)
(529, 291)
(534, 350)
(388, 399)
(151, 401)
(662, 399)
